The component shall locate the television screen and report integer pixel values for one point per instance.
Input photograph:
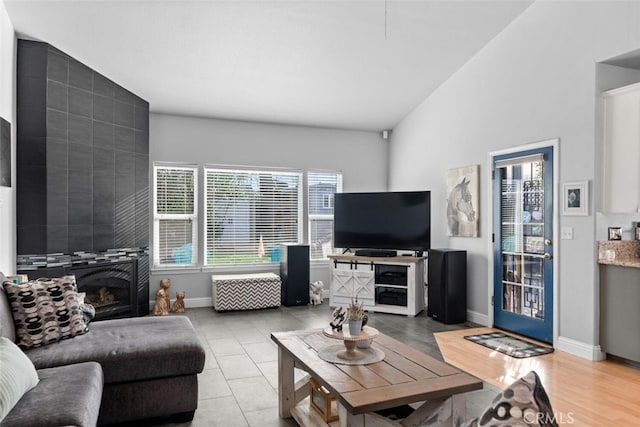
(390, 220)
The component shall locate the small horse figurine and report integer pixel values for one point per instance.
(459, 207)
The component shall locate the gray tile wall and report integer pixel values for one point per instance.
(82, 156)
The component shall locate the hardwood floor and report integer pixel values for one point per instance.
(582, 393)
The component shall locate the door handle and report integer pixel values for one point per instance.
(546, 255)
(547, 242)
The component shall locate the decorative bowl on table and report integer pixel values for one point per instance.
(364, 343)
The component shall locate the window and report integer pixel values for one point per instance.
(249, 213)
(322, 187)
(175, 218)
(327, 201)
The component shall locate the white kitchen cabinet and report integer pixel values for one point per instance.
(621, 162)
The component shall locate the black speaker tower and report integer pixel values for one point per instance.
(447, 285)
(294, 274)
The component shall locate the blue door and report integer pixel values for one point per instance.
(522, 243)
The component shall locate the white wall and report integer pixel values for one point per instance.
(7, 112)
(361, 156)
(535, 81)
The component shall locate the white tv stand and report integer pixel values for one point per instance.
(381, 284)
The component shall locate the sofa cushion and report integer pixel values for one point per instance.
(525, 402)
(66, 396)
(45, 311)
(17, 375)
(131, 349)
(7, 329)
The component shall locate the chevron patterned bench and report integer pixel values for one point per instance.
(245, 291)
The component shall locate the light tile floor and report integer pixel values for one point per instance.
(238, 386)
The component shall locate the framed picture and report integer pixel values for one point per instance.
(575, 198)
(463, 190)
(615, 233)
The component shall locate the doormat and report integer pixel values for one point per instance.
(511, 346)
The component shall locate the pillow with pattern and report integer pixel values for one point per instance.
(523, 403)
(45, 310)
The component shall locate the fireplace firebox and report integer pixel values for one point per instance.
(110, 287)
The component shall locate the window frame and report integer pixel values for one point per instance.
(157, 217)
(311, 217)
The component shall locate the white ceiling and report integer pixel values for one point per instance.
(341, 64)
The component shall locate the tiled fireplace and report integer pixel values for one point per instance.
(82, 179)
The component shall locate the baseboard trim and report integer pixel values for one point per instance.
(191, 303)
(580, 349)
(472, 316)
(479, 318)
(198, 302)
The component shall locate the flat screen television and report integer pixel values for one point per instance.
(388, 220)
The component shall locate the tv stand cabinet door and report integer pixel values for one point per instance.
(364, 287)
(348, 283)
(341, 283)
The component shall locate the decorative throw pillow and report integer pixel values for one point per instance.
(523, 403)
(17, 376)
(88, 311)
(45, 311)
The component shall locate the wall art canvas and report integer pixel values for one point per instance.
(5, 153)
(463, 196)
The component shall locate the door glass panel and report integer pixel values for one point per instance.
(522, 234)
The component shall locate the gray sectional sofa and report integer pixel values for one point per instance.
(120, 370)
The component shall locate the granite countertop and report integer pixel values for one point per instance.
(623, 253)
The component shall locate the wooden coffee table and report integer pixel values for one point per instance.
(405, 376)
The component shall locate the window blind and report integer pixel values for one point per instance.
(322, 187)
(249, 213)
(175, 215)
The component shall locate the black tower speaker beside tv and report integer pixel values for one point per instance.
(447, 285)
(294, 274)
